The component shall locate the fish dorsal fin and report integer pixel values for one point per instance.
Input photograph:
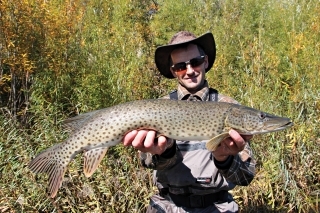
(213, 143)
(92, 159)
(76, 122)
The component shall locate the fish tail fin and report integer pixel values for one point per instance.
(92, 159)
(53, 164)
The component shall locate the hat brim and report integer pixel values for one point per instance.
(163, 53)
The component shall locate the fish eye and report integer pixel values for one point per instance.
(262, 115)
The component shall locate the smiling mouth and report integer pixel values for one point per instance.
(192, 77)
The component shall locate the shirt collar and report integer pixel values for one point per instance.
(203, 93)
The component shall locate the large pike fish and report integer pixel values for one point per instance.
(95, 131)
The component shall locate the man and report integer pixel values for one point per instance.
(189, 177)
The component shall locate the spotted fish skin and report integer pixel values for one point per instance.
(95, 131)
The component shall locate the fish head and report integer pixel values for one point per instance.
(249, 121)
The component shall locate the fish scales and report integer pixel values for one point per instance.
(95, 131)
(109, 125)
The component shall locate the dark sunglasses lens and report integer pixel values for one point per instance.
(179, 67)
(196, 61)
(183, 65)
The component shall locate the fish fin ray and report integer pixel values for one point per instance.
(55, 180)
(92, 159)
(213, 143)
(43, 162)
(48, 162)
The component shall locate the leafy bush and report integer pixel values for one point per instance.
(62, 58)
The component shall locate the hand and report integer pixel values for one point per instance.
(231, 146)
(146, 141)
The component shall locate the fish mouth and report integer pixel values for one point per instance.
(278, 128)
(268, 128)
(284, 126)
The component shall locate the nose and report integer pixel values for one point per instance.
(190, 69)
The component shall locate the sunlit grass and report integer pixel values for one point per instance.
(268, 57)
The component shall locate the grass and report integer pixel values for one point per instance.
(268, 57)
(112, 189)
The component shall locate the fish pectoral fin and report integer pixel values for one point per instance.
(92, 159)
(213, 143)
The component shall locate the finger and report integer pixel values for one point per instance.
(162, 142)
(149, 140)
(161, 145)
(128, 138)
(138, 141)
(239, 142)
(155, 145)
(236, 137)
(229, 147)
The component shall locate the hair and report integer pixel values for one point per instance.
(180, 35)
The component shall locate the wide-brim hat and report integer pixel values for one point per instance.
(183, 38)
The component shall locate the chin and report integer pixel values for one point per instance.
(192, 86)
(192, 83)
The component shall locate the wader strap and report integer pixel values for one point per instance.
(213, 94)
(174, 95)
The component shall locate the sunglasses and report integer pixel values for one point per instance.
(182, 66)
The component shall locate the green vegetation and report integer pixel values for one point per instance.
(61, 58)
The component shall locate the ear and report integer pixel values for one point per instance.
(206, 62)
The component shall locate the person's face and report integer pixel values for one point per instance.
(192, 77)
